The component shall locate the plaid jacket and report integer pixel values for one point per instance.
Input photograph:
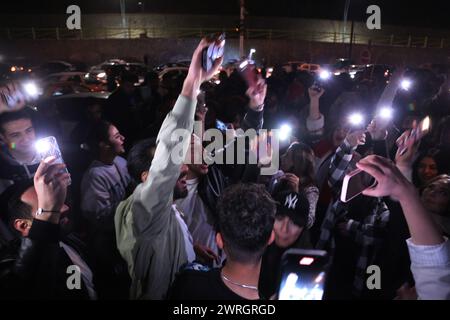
(367, 234)
(340, 164)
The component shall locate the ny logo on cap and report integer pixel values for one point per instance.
(291, 201)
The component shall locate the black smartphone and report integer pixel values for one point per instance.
(303, 274)
(355, 183)
(317, 86)
(213, 51)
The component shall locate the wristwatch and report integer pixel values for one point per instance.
(41, 211)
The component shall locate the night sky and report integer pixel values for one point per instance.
(432, 13)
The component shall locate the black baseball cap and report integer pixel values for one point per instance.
(293, 205)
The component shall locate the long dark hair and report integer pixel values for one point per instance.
(304, 163)
(98, 133)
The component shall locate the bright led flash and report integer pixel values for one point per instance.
(356, 119)
(406, 84)
(325, 75)
(285, 132)
(42, 146)
(31, 89)
(386, 113)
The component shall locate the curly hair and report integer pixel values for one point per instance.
(246, 214)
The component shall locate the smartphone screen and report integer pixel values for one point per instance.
(355, 183)
(248, 72)
(213, 51)
(221, 126)
(47, 147)
(303, 274)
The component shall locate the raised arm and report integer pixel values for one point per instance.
(342, 158)
(315, 121)
(429, 251)
(155, 195)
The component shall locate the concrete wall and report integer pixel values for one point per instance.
(165, 50)
(210, 21)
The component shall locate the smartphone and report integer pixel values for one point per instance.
(416, 134)
(248, 71)
(303, 274)
(221, 126)
(317, 86)
(355, 183)
(213, 51)
(47, 147)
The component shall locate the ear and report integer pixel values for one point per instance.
(219, 240)
(272, 238)
(2, 138)
(23, 226)
(144, 176)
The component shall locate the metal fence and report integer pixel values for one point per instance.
(267, 34)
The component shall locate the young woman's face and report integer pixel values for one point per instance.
(116, 140)
(427, 170)
(436, 198)
(286, 231)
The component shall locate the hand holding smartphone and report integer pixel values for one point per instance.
(303, 274)
(214, 51)
(355, 183)
(417, 133)
(47, 147)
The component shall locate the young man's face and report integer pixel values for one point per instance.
(30, 198)
(116, 140)
(19, 135)
(195, 154)
(180, 191)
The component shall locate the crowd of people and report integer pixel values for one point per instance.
(139, 225)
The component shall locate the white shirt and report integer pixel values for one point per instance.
(196, 216)
(430, 266)
(189, 244)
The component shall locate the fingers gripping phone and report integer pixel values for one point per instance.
(303, 274)
(355, 183)
(248, 72)
(213, 51)
(47, 147)
(416, 134)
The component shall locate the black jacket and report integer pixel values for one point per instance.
(11, 170)
(221, 176)
(35, 267)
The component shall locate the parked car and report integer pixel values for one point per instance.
(311, 68)
(173, 72)
(52, 83)
(115, 67)
(70, 109)
(180, 64)
(291, 66)
(50, 67)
